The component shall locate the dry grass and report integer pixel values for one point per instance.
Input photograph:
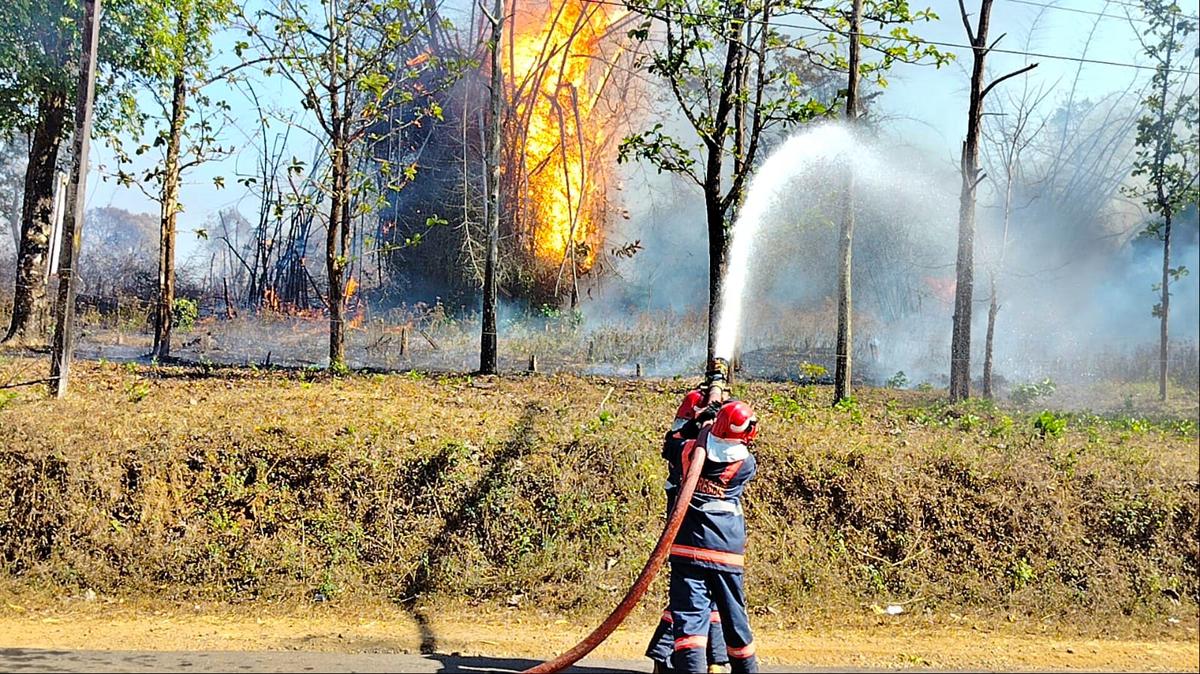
(248, 485)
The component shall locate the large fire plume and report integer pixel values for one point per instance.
(559, 63)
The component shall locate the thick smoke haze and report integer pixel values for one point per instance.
(1070, 296)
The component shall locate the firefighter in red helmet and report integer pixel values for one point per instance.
(691, 416)
(708, 555)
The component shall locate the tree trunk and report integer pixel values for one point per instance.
(1165, 312)
(843, 354)
(993, 309)
(715, 207)
(960, 344)
(170, 209)
(994, 302)
(1162, 151)
(334, 265)
(28, 322)
(15, 219)
(488, 337)
(718, 253)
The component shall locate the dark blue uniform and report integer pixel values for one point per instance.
(662, 644)
(707, 560)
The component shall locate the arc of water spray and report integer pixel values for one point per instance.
(797, 154)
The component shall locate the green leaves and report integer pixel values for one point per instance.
(39, 47)
(661, 150)
(1049, 424)
(1167, 138)
(374, 83)
(786, 80)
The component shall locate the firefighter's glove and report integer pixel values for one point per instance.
(708, 413)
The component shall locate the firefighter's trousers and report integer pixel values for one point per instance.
(662, 644)
(694, 590)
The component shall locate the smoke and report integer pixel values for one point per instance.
(1066, 322)
(1074, 291)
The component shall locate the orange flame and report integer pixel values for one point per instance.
(551, 64)
(359, 315)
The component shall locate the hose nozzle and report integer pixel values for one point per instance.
(716, 379)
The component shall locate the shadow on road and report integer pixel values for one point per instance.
(28, 660)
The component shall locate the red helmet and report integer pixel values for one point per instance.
(691, 405)
(735, 421)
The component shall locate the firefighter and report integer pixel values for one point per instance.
(689, 419)
(707, 558)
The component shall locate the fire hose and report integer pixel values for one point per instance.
(693, 464)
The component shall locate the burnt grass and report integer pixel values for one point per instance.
(246, 485)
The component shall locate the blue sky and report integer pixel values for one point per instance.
(928, 106)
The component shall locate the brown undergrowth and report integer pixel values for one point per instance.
(244, 485)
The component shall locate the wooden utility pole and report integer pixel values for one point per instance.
(64, 331)
(960, 342)
(843, 357)
(487, 338)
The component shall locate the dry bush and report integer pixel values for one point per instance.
(246, 485)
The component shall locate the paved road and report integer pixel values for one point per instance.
(20, 660)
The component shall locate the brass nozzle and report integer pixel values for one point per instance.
(716, 379)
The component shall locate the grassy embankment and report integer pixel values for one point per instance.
(238, 485)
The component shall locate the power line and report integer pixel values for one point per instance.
(1135, 5)
(1076, 11)
(917, 40)
(1100, 14)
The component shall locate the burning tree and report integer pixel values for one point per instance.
(567, 89)
(568, 82)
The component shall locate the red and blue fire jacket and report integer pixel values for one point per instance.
(713, 534)
(672, 449)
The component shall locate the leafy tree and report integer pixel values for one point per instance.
(12, 170)
(175, 46)
(844, 349)
(738, 74)
(39, 53)
(725, 67)
(353, 62)
(889, 36)
(12, 158)
(1167, 144)
(116, 259)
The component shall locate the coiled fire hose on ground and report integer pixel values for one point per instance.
(691, 475)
